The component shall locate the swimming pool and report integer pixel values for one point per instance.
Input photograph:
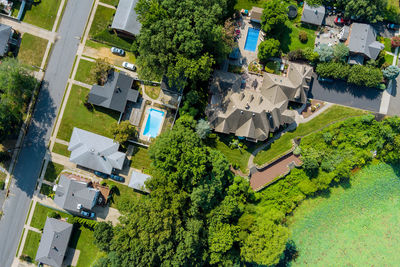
(251, 39)
(153, 123)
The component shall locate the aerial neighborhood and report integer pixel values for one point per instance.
(199, 133)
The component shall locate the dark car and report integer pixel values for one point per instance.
(117, 178)
(88, 214)
(100, 174)
(392, 26)
(118, 51)
(326, 80)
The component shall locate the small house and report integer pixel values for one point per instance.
(313, 15)
(126, 20)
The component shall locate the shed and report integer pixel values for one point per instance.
(137, 181)
(125, 19)
(313, 15)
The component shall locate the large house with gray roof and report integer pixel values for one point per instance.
(362, 43)
(54, 242)
(5, 39)
(74, 195)
(313, 15)
(255, 113)
(115, 93)
(126, 20)
(95, 152)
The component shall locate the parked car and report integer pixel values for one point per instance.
(341, 21)
(88, 214)
(117, 178)
(118, 51)
(100, 174)
(326, 80)
(392, 26)
(128, 66)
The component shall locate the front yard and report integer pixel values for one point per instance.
(31, 245)
(52, 171)
(32, 50)
(61, 150)
(40, 216)
(77, 115)
(42, 14)
(84, 72)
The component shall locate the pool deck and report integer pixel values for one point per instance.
(248, 56)
(141, 135)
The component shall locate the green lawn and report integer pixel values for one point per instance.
(52, 171)
(31, 244)
(101, 20)
(99, 120)
(140, 159)
(32, 50)
(353, 225)
(110, 2)
(129, 56)
(83, 73)
(388, 45)
(284, 144)
(40, 216)
(248, 4)
(152, 91)
(82, 239)
(290, 38)
(61, 149)
(46, 190)
(389, 58)
(42, 14)
(120, 194)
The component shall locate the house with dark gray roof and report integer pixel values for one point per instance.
(74, 195)
(313, 15)
(5, 39)
(255, 113)
(54, 242)
(363, 44)
(125, 19)
(115, 93)
(95, 152)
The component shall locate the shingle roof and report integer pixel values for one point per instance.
(5, 34)
(95, 152)
(313, 15)
(125, 18)
(256, 13)
(363, 41)
(114, 93)
(54, 242)
(137, 181)
(70, 193)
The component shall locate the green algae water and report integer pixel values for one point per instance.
(357, 226)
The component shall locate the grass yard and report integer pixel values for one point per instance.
(354, 225)
(83, 73)
(152, 91)
(61, 149)
(290, 38)
(42, 14)
(248, 4)
(31, 244)
(140, 159)
(102, 19)
(129, 56)
(46, 190)
(388, 45)
(32, 50)
(52, 171)
(283, 144)
(40, 216)
(110, 2)
(389, 58)
(120, 194)
(99, 120)
(82, 239)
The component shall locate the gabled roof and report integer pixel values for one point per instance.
(137, 181)
(313, 15)
(125, 18)
(70, 193)
(95, 152)
(114, 93)
(363, 41)
(5, 34)
(256, 13)
(54, 242)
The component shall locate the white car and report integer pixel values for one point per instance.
(128, 66)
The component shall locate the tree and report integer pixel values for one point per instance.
(365, 76)
(103, 234)
(123, 131)
(340, 52)
(325, 52)
(367, 10)
(395, 41)
(391, 72)
(268, 48)
(203, 128)
(100, 70)
(314, 2)
(274, 17)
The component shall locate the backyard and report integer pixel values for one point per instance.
(152, 91)
(83, 73)
(140, 159)
(354, 225)
(32, 50)
(282, 145)
(77, 115)
(42, 14)
(120, 194)
(52, 171)
(248, 4)
(290, 38)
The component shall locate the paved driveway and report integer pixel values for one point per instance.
(339, 92)
(394, 104)
(34, 146)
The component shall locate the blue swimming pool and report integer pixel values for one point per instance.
(153, 122)
(251, 39)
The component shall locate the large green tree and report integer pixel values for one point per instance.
(368, 10)
(182, 38)
(274, 17)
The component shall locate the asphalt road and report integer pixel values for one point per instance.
(339, 92)
(33, 150)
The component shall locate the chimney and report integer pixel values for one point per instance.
(251, 98)
(261, 100)
(241, 96)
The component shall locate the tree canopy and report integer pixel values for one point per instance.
(367, 10)
(274, 17)
(267, 49)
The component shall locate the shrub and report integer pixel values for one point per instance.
(310, 55)
(268, 48)
(296, 54)
(25, 258)
(365, 76)
(340, 52)
(385, 65)
(2, 184)
(297, 151)
(53, 214)
(325, 52)
(303, 37)
(109, 38)
(4, 156)
(90, 224)
(333, 70)
(88, 105)
(391, 72)
(395, 41)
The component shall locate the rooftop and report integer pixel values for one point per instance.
(313, 15)
(363, 41)
(125, 18)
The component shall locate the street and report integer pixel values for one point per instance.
(33, 149)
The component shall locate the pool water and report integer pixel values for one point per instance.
(251, 39)
(153, 123)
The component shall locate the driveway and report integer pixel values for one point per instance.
(33, 149)
(394, 104)
(339, 92)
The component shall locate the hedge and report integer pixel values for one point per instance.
(110, 38)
